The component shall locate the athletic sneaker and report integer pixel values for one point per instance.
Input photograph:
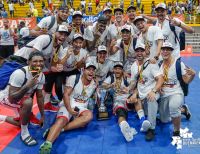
(187, 112)
(45, 148)
(49, 107)
(145, 125)
(127, 133)
(34, 120)
(133, 131)
(54, 101)
(150, 135)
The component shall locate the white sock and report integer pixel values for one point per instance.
(123, 124)
(140, 113)
(3, 118)
(47, 98)
(24, 131)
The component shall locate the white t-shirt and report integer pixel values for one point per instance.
(11, 7)
(101, 69)
(172, 86)
(17, 79)
(170, 37)
(6, 38)
(148, 82)
(80, 93)
(38, 43)
(153, 34)
(114, 32)
(88, 35)
(45, 23)
(24, 32)
(71, 61)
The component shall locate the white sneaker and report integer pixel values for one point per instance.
(126, 131)
(145, 126)
(133, 131)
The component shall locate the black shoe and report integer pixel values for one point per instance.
(186, 112)
(176, 133)
(150, 135)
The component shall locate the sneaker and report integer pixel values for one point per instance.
(46, 133)
(150, 135)
(49, 107)
(176, 134)
(186, 112)
(145, 126)
(34, 120)
(128, 135)
(45, 148)
(133, 131)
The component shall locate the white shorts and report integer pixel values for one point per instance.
(120, 102)
(63, 113)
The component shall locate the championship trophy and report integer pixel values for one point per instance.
(102, 113)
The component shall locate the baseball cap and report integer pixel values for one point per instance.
(126, 27)
(118, 64)
(102, 48)
(161, 5)
(167, 45)
(90, 64)
(139, 46)
(118, 9)
(77, 35)
(107, 9)
(131, 7)
(138, 18)
(102, 19)
(63, 8)
(77, 13)
(62, 28)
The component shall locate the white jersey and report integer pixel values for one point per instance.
(46, 22)
(89, 36)
(73, 59)
(6, 38)
(153, 34)
(80, 93)
(101, 69)
(172, 86)
(169, 35)
(24, 32)
(147, 82)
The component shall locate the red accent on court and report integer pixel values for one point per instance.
(7, 131)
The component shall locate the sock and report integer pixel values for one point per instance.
(140, 113)
(123, 125)
(47, 98)
(3, 118)
(24, 131)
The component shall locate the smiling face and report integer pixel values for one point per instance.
(77, 20)
(108, 14)
(118, 16)
(60, 37)
(36, 64)
(141, 25)
(118, 71)
(89, 73)
(161, 14)
(126, 35)
(131, 14)
(101, 56)
(77, 44)
(101, 27)
(63, 14)
(166, 53)
(140, 54)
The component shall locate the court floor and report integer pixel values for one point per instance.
(104, 137)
